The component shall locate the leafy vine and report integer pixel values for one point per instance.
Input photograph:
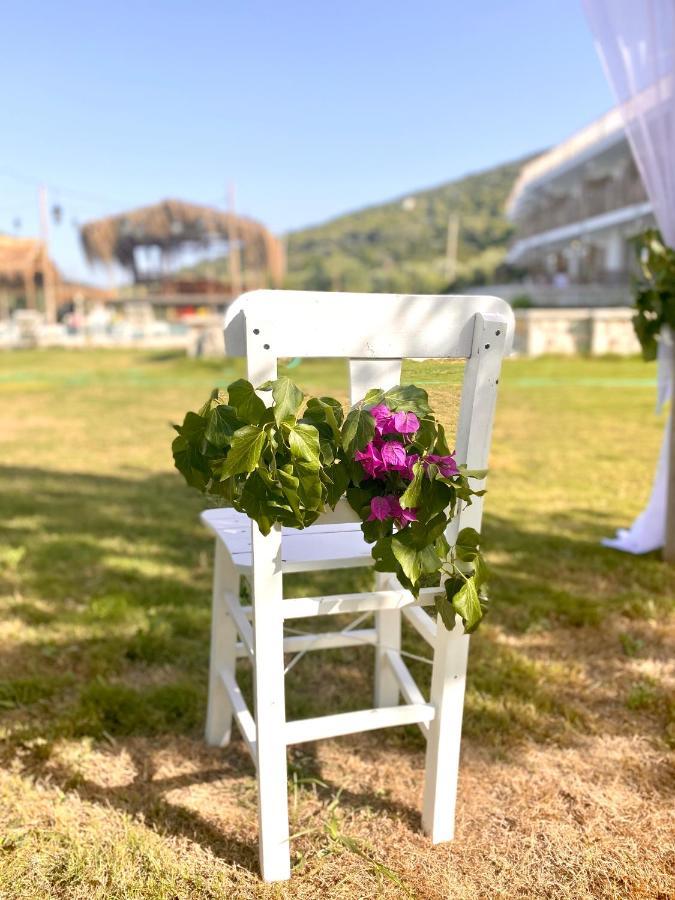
(389, 456)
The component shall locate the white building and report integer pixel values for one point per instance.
(575, 208)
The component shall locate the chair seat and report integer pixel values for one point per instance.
(334, 546)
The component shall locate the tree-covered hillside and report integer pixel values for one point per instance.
(402, 245)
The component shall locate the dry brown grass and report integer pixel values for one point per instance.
(108, 792)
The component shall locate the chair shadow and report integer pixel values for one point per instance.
(552, 573)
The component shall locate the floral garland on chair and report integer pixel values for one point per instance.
(388, 456)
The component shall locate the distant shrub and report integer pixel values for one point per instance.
(522, 301)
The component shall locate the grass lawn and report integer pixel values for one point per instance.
(107, 790)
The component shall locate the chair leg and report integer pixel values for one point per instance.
(270, 712)
(223, 649)
(445, 731)
(388, 627)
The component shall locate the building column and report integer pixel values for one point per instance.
(615, 253)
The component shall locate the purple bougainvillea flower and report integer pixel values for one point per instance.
(410, 461)
(380, 509)
(382, 415)
(394, 456)
(383, 508)
(406, 422)
(400, 515)
(446, 464)
(371, 460)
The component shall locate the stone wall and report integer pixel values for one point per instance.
(570, 331)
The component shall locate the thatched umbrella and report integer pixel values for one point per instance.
(173, 224)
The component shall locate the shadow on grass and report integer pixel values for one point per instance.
(107, 584)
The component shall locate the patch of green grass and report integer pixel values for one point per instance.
(105, 577)
(105, 567)
(117, 709)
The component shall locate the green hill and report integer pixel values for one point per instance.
(400, 246)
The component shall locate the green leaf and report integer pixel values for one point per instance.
(328, 410)
(192, 429)
(222, 422)
(190, 463)
(256, 503)
(303, 440)
(407, 557)
(383, 554)
(245, 451)
(466, 546)
(374, 397)
(408, 397)
(425, 437)
(217, 397)
(411, 496)
(466, 603)
(479, 474)
(357, 431)
(287, 399)
(359, 499)
(339, 480)
(445, 609)
(246, 402)
(441, 445)
(310, 488)
(290, 486)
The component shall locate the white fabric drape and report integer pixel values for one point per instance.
(636, 43)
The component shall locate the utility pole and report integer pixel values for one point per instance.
(451, 247)
(232, 237)
(47, 280)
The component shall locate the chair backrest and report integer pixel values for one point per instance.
(376, 332)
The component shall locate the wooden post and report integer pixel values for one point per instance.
(669, 547)
(232, 236)
(47, 280)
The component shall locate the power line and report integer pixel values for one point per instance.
(34, 181)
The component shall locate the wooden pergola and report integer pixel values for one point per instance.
(256, 257)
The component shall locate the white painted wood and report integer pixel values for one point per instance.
(268, 676)
(477, 407)
(301, 730)
(327, 640)
(411, 693)
(302, 607)
(421, 622)
(366, 326)
(327, 546)
(270, 714)
(223, 649)
(388, 627)
(242, 623)
(451, 649)
(442, 757)
(364, 375)
(264, 326)
(228, 519)
(241, 711)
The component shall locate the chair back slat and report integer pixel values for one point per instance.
(366, 326)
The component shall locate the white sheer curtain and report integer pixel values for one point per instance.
(636, 43)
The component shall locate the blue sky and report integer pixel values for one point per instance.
(311, 108)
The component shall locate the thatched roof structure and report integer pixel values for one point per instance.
(25, 267)
(23, 258)
(173, 224)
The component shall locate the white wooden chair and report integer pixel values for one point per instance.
(375, 332)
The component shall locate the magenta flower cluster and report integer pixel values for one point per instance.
(387, 454)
